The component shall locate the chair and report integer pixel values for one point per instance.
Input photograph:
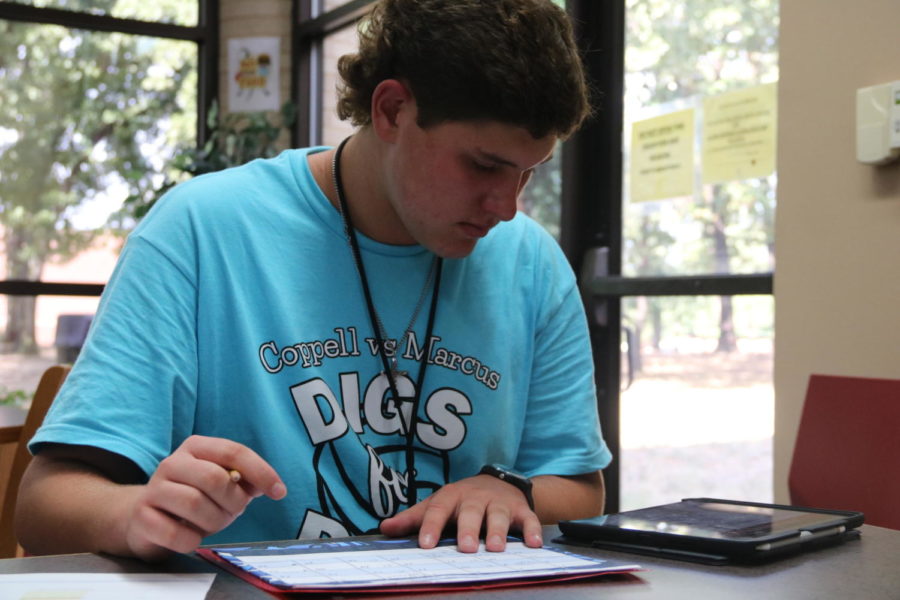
(49, 385)
(847, 454)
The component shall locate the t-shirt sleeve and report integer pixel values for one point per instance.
(132, 390)
(562, 433)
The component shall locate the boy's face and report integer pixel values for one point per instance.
(450, 183)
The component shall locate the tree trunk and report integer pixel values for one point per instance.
(727, 338)
(19, 336)
(657, 321)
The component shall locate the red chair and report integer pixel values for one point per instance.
(847, 454)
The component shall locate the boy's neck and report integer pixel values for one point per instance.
(362, 179)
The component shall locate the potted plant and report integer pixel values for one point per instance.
(234, 139)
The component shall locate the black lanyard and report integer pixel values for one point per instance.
(411, 487)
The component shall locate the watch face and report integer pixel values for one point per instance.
(511, 477)
(514, 477)
(498, 468)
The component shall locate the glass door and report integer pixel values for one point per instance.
(677, 256)
(699, 201)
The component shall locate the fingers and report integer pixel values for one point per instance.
(152, 533)
(497, 518)
(198, 492)
(193, 494)
(476, 504)
(438, 511)
(531, 531)
(404, 522)
(256, 475)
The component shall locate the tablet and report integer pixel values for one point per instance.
(716, 531)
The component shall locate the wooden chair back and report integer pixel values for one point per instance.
(49, 385)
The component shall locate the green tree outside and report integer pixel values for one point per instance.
(84, 113)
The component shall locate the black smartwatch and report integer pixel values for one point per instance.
(509, 476)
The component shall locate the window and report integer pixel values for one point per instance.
(325, 30)
(99, 96)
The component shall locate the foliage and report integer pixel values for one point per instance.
(541, 197)
(84, 112)
(233, 140)
(13, 397)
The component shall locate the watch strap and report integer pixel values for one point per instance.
(506, 474)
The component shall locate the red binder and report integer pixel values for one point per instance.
(262, 564)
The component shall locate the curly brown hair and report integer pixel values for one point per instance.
(512, 61)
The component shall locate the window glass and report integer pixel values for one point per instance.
(541, 197)
(700, 121)
(699, 188)
(344, 41)
(328, 5)
(59, 324)
(698, 405)
(89, 118)
(176, 12)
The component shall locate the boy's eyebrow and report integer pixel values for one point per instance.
(508, 163)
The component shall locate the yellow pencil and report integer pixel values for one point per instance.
(235, 475)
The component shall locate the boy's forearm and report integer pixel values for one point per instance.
(559, 498)
(65, 507)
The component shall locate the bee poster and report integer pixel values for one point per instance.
(253, 70)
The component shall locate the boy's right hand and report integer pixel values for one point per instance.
(192, 495)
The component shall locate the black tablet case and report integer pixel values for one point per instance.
(838, 527)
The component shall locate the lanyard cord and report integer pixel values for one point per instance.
(350, 232)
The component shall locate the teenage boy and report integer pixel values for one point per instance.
(362, 339)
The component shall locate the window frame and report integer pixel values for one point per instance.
(311, 27)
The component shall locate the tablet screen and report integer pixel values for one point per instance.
(715, 520)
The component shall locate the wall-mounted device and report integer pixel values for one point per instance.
(878, 123)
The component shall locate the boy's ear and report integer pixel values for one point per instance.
(392, 105)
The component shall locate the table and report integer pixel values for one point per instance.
(11, 420)
(866, 568)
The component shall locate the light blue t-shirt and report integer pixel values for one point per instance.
(236, 311)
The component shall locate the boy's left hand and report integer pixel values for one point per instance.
(477, 503)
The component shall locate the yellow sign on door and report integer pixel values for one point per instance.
(739, 131)
(662, 157)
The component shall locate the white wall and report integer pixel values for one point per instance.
(837, 280)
